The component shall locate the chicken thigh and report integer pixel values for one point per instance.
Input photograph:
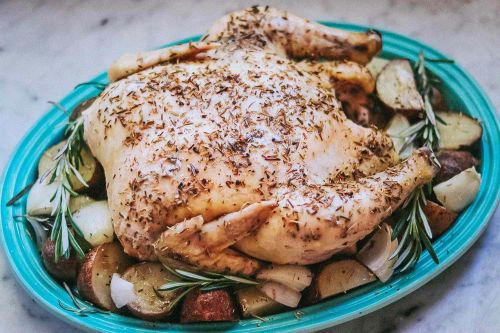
(238, 142)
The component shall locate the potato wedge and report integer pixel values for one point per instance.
(90, 170)
(459, 191)
(338, 277)
(396, 88)
(97, 270)
(376, 253)
(452, 163)
(280, 293)
(460, 130)
(396, 126)
(94, 220)
(293, 276)
(253, 303)
(214, 305)
(376, 65)
(151, 304)
(62, 270)
(440, 218)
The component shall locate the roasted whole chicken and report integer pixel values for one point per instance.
(234, 150)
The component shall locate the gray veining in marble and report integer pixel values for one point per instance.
(47, 47)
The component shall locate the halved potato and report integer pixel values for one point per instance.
(376, 65)
(440, 218)
(94, 220)
(376, 253)
(459, 191)
(293, 276)
(280, 293)
(397, 89)
(460, 130)
(97, 270)
(254, 303)
(90, 170)
(214, 305)
(38, 202)
(396, 126)
(79, 202)
(338, 277)
(151, 304)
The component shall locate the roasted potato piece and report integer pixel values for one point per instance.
(254, 303)
(62, 270)
(376, 65)
(396, 88)
(151, 304)
(376, 253)
(459, 191)
(293, 276)
(214, 305)
(439, 217)
(460, 130)
(453, 162)
(338, 277)
(97, 270)
(94, 220)
(90, 170)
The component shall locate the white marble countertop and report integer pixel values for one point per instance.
(47, 47)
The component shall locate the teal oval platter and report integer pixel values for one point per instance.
(460, 90)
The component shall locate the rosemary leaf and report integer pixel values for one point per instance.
(20, 194)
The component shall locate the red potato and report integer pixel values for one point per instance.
(452, 163)
(97, 270)
(439, 217)
(397, 89)
(62, 270)
(459, 131)
(151, 304)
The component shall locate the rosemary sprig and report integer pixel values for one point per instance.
(413, 224)
(67, 161)
(204, 281)
(424, 132)
(415, 230)
(81, 308)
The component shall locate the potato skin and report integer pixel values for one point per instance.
(440, 218)
(453, 162)
(214, 305)
(63, 270)
(84, 282)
